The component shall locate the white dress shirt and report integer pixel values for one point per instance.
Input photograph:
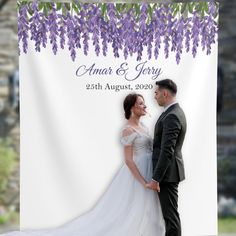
(165, 108)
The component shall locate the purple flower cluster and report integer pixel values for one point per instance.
(23, 28)
(126, 31)
(209, 29)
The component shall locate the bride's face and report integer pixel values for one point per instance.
(139, 108)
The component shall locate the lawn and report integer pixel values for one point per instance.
(227, 225)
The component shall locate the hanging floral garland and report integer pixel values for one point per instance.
(128, 28)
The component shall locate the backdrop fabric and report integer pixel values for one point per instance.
(71, 114)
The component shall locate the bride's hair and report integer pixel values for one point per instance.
(129, 102)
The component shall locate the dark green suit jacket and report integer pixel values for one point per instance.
(169, 136)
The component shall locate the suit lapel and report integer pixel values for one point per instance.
(169, 110)
(164, 114)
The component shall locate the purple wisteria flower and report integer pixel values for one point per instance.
(130, 30)
(85, 28)
(150, 30)
(168, 30)
(179, 38)
(23, 27)
(80, 25)
(43, 29)
(78, 31)
(34, 22)
(94, 25)
(127, 33)
(209, 29)
(159, 29)
(38, 27)
(187, 33)
(104, 36)
(174, 33)
(143, 22)
(113, 35)
(196, 27)
(53, 27)
(142, 33)
(70, 35)
(62, 30)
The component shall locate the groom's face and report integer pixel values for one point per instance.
(159, 96)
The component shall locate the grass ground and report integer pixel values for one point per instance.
(227, 225)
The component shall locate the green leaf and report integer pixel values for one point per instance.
(64, 10)
(45, 10)
(75, 8)
(178, 7)
(24, 3)
(30, 11)
(173, 6)
(106, 18)
(206, 7)
(137, 9)
(118, 7)
(19, 4)
(59, 6)
(129, 6)
(104, 8)
(150, 11)
(176, 11)
(67, 5)
(190, 7)
(202, 9)
(123, 7)
(183, 7)
(40, 6)
(78, 6)
(198, 6)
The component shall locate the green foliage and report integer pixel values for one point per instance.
(7, 157)
(178, 9)
(10, 217)
(226, 176)
(227, 225)
(4, 219)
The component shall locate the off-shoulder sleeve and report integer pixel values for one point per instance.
(128, 136)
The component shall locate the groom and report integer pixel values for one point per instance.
(168, 166)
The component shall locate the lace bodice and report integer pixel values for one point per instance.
(140, 140)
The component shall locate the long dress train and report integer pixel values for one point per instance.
(125, 209)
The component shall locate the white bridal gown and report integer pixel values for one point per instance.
(125, 209)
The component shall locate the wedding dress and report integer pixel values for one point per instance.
(126, 208)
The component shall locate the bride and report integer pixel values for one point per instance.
(128, 207)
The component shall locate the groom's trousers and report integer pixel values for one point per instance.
(169, 204)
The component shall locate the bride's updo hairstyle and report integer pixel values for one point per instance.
(129, 102)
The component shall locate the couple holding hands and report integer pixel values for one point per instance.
(142, 198)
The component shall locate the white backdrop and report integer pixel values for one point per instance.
(70, 147)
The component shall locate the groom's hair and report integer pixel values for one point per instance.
(167, 84)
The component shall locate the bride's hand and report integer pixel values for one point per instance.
(145, 184)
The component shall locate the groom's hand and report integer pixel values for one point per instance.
(154, 186)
